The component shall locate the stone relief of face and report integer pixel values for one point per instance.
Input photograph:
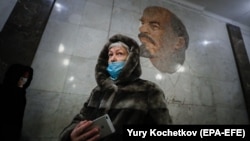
(162, 39)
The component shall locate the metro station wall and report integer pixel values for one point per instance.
(206, 90)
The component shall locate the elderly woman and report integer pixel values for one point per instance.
(120, 93)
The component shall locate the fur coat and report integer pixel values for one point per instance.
(127, 100)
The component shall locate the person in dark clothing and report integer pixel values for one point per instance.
(120, 93)
(13, 101)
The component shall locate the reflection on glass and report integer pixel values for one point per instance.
(71, 78)
(181, 69)
(58, 7)
(66, 62)
(61, 48)
(158, 77)
(205, 42)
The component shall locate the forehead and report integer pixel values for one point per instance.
(156, 14)
(116, 48)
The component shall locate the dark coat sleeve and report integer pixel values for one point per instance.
(158, 112)
(65, 134)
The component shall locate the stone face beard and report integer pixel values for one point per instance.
(144, 52)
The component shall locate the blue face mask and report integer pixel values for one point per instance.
(115, 68)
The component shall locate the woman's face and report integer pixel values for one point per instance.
(117, 53)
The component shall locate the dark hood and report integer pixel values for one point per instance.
(131, 70)
(14, 73)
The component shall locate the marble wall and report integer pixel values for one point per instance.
(206, 90)
(22, 31)
(5, 9)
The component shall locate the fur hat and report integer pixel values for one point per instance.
(131, 70)
(119, 43)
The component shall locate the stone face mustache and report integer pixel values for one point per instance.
(143, 35)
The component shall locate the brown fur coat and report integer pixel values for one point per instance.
(127, 100)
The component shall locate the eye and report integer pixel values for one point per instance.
(110, 54)
(155, 26)
(141, 20)
(120, 53)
